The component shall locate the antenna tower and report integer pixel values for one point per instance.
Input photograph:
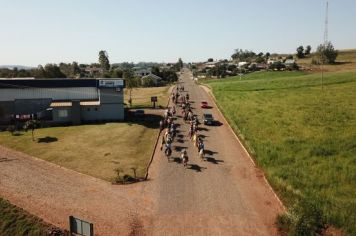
(326, 35)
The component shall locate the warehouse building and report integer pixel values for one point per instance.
(63, 100)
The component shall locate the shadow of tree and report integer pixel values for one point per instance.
(47, 140)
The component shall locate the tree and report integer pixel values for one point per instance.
(104, 60)
(180, 63)
(31, 124)
(308, 50)
(148, 82)
(300, 52)
(277, 66)
(75, 69)
(327, 53)
(117, 73)
(53, 71)
(155, 70)
(129, 80)
(210, 60)
(243, 55)
(267, 55)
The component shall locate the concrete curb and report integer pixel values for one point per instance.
(209, 92)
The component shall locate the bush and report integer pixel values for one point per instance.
(327, 53)
(148, 82)
(284, 222)
(306, 219)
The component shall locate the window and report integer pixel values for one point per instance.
(62, 113)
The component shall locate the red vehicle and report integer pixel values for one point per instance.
(204, 105)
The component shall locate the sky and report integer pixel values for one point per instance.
(37, 32)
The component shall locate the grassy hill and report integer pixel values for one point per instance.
(302, 136)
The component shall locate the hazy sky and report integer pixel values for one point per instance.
(41, 31)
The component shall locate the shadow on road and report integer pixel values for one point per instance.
(4, 159)
(196, 167)
(179, 148)
(213, 160)
(203, 129)
(177, 160)
(209, 152)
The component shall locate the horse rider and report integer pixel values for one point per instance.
(184, 157)
(200, 145)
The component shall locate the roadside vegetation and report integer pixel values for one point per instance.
(304, 137)
(97, 149)
(17, 222)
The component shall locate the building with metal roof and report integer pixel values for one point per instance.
(64, 100)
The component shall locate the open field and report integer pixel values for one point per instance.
(346, 61)
(15, 221)
(90, 149)
(141, 97)
(302, 136)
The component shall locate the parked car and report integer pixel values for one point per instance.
(208, 119)
(204, 104)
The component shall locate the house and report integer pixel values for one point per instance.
(155, 78)
(211, 64)
(141, 71)
(93, 71)
(242, 64)
(289, 62)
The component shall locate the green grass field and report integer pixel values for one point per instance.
(15, 221)
(302, 136)
(95, 149)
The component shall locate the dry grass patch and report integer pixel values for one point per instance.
(91, 149)
(141, 97)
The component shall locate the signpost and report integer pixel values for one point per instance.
(154, 100)
(80, 227)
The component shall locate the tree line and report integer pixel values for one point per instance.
(106, 70)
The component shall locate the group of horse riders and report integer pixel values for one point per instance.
(170, 127)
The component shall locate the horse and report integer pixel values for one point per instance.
(201, 154)
(184, 158)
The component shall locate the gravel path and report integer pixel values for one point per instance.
(226, 195)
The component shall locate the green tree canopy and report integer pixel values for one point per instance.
(300, 52)
(104, 60)
(308, 50)
(327, 53)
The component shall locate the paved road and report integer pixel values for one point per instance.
(225, 195)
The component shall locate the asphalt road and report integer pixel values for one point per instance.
(225, 195)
